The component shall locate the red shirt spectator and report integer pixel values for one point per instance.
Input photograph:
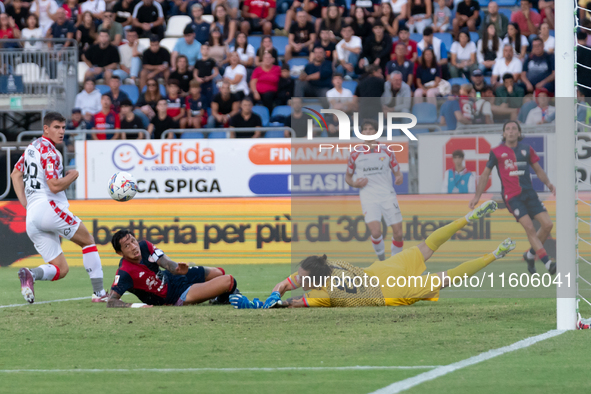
(519, 18)
(106, 121)
(260, 7)
(267, 81)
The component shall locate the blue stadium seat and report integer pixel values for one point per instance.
(416, 37)
(162, 90)
(351, 85)
(280, 42)
(446, 38)
(280, 21)
(217, 135)
(483, 3)
(315, 107)
(506, 3)
(194, 135)
(132, 91)
(275, 134)
(255, 41)
(281, 110)
(425, 113)
(552, 33)
(506, 11)
(104, 89)
(487, 80)
(474, 36)
(263, 112)
(458, 81)
(297, 61)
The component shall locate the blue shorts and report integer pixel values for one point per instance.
(179, 285)
(527, 203)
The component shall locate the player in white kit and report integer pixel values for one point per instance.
(371, 173)
(40, 187)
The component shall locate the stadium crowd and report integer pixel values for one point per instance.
(241, 63)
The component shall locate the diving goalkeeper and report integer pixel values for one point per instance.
(409, 264)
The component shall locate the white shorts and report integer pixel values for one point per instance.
(387, 208)
(46, 223)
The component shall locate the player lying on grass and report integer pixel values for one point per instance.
(407, 264)
(139, 273)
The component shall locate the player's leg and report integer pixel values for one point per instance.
(200, 292)
(393, 218)
(443, 234)
(213, 272)
(397, 240)
(91, 261)
(377, 240)
(536, 245)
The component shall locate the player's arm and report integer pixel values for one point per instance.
(482, 181)
(360, 182)
(57, 185)
(115, 302)
(541, 176)
(19, 186)
(294, 302)
(175, 268)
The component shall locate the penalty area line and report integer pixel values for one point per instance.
(168, 370)
(435, 373)
(44, 302)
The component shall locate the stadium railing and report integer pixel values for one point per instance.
(228, 130)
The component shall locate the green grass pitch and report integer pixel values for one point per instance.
(80, 335)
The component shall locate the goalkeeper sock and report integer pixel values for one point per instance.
(471, 267)
(443, 234)
(46, 272)
(92, 264)
(396, 246)
(542, 255)
(379, 247)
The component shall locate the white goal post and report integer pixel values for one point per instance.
(566, 220)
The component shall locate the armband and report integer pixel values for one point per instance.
(154, 257)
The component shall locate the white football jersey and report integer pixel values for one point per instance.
(377, 168)
(39, 163)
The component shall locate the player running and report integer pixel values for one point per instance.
(513, 158)
(372, 173)
(139, 273)
(40, 188)
(408, 264)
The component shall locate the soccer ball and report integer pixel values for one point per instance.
(122, 186)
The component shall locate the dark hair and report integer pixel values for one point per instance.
(226, 22)
(337, 75)
(464, 32)
(537, 39)
(370, 122)
(507, 76)
(433, 60)
(317, 267)
(106, 95)
(486, 38)
(36, 19)
(428, 31)
(403, 28)
(247, 98)
(334, 25)
(392, 15)
(126, 103)
(115, 77)
(51, 117)
(236, 46)
(378, 23)
(182, 57)
(458, 153)
(117, 237)
(486, 88)
(517, 38)
(518, 128)
(174, 82)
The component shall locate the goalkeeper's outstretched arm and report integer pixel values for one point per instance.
(283, 286)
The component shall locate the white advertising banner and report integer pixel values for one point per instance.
(435, 158)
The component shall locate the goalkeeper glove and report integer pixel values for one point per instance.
(241, 302)
(273, 299)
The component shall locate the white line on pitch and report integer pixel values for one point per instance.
(406, 384)
(351, 368)
(45, 302)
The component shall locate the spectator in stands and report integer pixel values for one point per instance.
(463, 56)
(178, 7)
(106, 119)
(362, 28)
(114, 28)
(489, 48)
(339, 97)
(315, 80)
(223, 107)
(45, 11)
(477, 80)
(326, 44)
(88, 100)
(412, 53)
(390, 20)
(400, 8)
(301, 37)
(509, 96)
(227, 26)
(148, 100)
(123, 11)
(547, 12)
(295, 7)
(458, 179)
(507, 64)
(348, 51)
(175, 103)
(148, 19)
(218, 50)
(86, 33)
(264, 82)
(517, 41)
(427, 77)
(161, 121)
(467, 15)
(245, 51)
(186, 46)
(376, 49)
(199, 26)
(31, 32)
(115, 94)
(421, 15)
(266, 46)
(538, 68)
(430, 41)
(370, 8)
(102, 59)
(543, 112)
(441, 17)
(156, 61)
(195, 107)
(397, 96)
(236, 75)
(286, 85)
(129, 53)
(77, 122)
(182, 74)
(61, 29)
(527, 18)
(549, 42)
(297, 120)
(245, 118)
(465, 116)
(205, 72)
(331, 21)
(369, 91)
(129, 120)
(400, 64)
(484, 107)
(95, 7)
(450, 108)
(258, 16)
(19, 12)
(500, 21)
(8, 28)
